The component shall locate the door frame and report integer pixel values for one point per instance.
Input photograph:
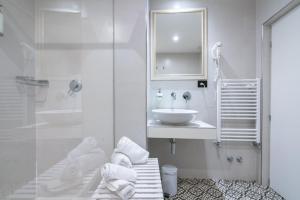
(266, 44)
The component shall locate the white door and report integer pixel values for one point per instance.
(285, 106)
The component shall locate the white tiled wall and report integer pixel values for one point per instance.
(130, 70)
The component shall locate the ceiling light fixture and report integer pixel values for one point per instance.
(175, 38)
(177, 5)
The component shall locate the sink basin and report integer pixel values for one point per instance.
(174, 116)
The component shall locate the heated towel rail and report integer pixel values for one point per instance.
(238, 110)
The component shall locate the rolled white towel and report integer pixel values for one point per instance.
(136, 154)
(121, 159)
(116, 172)
(87, 145)
(127, 192)
(124, 189)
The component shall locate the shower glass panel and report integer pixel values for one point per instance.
(74, 41)
(56, 97)
(17, 107)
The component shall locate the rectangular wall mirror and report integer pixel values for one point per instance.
(179, 44)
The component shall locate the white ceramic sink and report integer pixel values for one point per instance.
(174, 116)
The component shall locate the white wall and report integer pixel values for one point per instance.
(234, 23)
(130, 70)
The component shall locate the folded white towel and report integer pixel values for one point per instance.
(127, 192)
(121, 159)
(87, 145)
(124, 189)
(136, 154)
(116, 172)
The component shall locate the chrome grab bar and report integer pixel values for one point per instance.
(28, 80)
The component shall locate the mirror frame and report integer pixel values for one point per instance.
(204, 74)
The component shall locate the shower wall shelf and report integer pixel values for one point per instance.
(30, 81)
(238, 110)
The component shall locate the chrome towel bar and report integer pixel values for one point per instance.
(28, 80)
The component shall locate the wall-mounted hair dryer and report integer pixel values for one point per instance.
(216, 56)
(216, 51)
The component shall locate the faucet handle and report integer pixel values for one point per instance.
(173, 94)
(187, 96)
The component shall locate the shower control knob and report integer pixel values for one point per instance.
(74, 87)
(230, 159)
(239, 159)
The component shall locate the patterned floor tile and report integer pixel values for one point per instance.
(208, 189)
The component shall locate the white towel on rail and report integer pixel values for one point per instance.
(116, 172)
(136, 154)
(121, 159)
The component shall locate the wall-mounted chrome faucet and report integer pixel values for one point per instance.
(173, 95)
(74, 87)
(187, 96)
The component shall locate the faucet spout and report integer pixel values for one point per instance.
(173, 95)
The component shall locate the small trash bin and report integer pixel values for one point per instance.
(169, 179)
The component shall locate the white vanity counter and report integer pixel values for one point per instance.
(193, 130)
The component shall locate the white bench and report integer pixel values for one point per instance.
(29, 190)
(148, 186)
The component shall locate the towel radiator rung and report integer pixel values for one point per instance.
(227, 90)
(238, 94)
(237, 100)
(239, 136)
(248, 110)
(239, 108)
(237, 129)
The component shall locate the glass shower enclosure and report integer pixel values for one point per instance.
(56, 97)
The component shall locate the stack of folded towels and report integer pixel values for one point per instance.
(118, 176)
